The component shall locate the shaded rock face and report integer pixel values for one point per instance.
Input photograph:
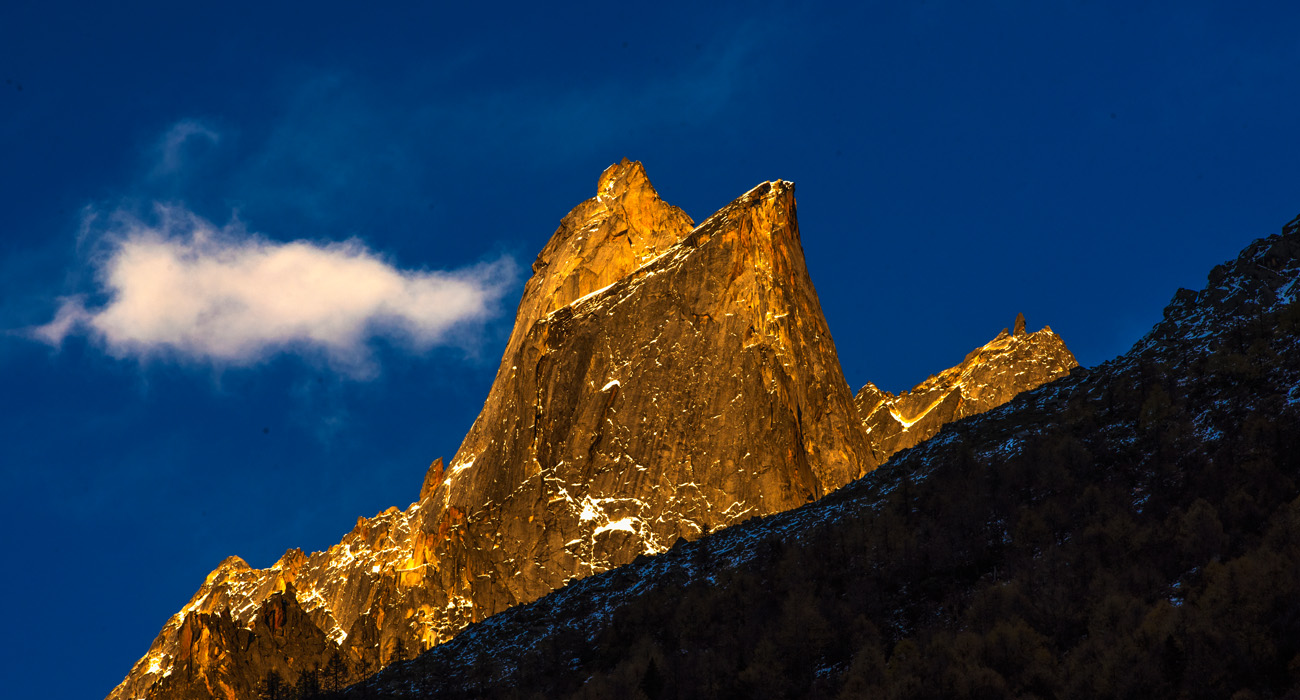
(662, 380)
(989, 377)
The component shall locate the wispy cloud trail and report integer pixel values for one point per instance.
(171, 147)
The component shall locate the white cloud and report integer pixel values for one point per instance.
(183, 287)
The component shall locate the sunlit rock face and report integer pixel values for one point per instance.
(699, 389)
(662, 380)
(990, 376)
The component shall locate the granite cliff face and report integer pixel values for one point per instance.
(988, 377)
(699, 389)
(662, 380)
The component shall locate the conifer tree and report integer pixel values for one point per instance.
(272, 687)
(308, 686)
(334, 677)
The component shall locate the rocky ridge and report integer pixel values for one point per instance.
(988, 377)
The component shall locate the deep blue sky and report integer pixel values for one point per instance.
(956, 163)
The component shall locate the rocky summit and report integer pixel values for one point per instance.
(663, 380)
(988, 377)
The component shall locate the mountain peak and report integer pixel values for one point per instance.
(623, 179)
(662, 380)
(602, 239)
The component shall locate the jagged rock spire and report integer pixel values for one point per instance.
(432, 477)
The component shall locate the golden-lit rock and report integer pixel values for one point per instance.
(699, 389)
(432, 478)
(988, 377)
